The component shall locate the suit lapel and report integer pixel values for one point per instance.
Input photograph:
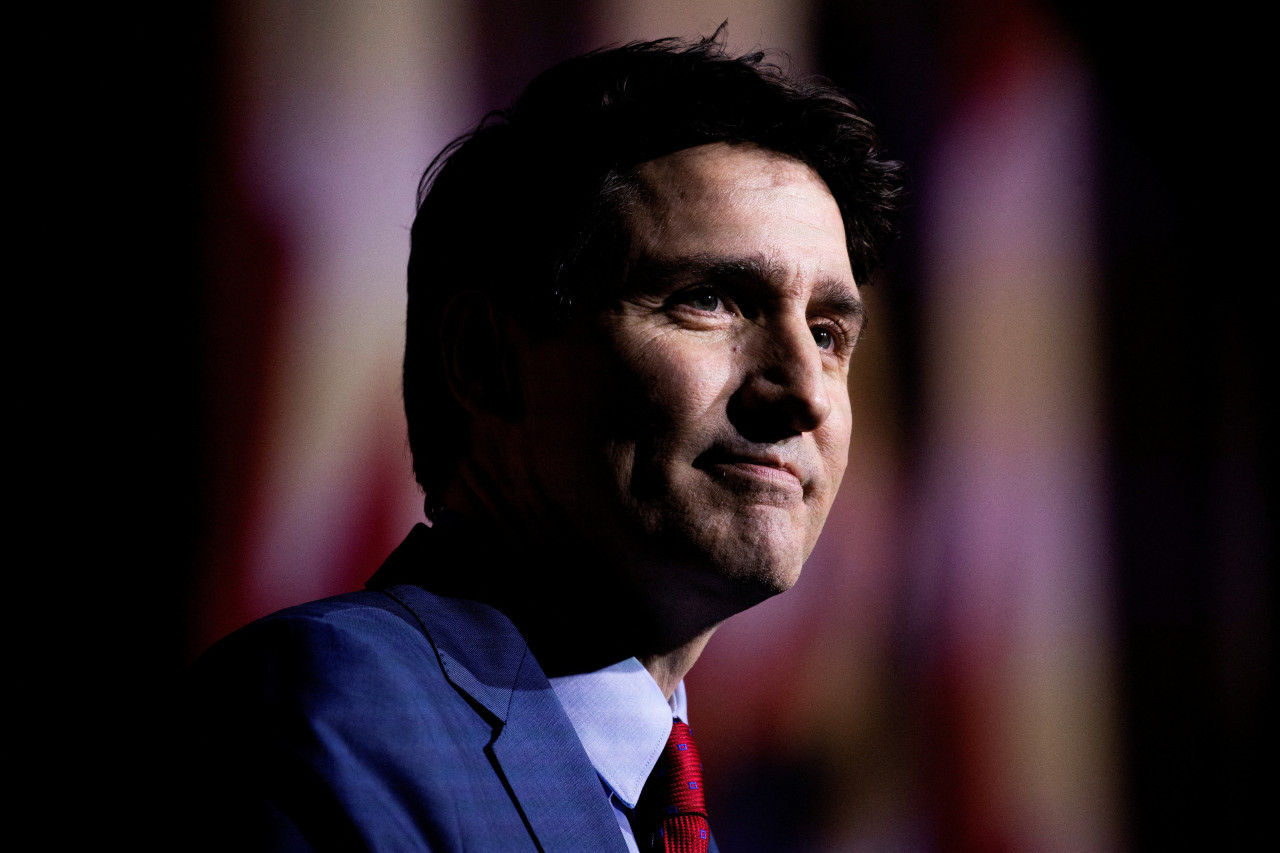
(549, 773)
(535, 749)
(479, 649)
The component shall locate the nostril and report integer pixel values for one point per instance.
(771, 408)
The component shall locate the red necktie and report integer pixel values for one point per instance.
(672, 799)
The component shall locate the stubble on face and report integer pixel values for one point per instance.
(731, 339)
(685, 441)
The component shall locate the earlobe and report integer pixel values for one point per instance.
(477, 356)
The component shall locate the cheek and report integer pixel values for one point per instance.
(683, 388)
(833, 439)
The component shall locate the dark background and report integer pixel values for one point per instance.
(1183, 216)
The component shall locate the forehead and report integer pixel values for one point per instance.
(739, 201)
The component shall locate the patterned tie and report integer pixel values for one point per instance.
(672, 801)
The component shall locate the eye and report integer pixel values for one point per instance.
(823, 337)
(703, 300)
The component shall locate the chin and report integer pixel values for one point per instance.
(759, 573)
(730, 560)
(779, 577)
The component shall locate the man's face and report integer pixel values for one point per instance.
(696, 429)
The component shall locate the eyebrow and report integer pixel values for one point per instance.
(831, 295)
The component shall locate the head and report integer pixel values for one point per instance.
(630, 193)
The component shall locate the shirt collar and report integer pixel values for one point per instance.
(623, 721)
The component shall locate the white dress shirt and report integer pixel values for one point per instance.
(623, 721)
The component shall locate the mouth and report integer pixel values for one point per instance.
(751, 467)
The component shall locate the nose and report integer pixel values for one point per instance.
(785, 390)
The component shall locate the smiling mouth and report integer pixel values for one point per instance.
(750, 468)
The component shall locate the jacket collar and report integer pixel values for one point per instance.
(484, 657)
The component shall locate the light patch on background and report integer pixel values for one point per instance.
(1013, 533)
(347, 103)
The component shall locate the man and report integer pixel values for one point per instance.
(633, 299)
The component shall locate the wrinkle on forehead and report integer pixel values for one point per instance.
(686, 195)
(698, 174)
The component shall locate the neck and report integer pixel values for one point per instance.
(530, 575)
(669, 668)
(608, 619)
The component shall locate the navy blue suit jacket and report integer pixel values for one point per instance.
(388, 719)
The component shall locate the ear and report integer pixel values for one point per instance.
(478, 357)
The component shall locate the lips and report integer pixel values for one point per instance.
(750, 464)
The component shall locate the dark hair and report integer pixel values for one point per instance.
(526, 207)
